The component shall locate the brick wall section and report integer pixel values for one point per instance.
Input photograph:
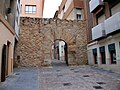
(37, 36)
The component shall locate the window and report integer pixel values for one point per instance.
(112, 51)
(79, 17)
(100, 17)
(79, 14)
(95, 55)
(103, 57)
(30, 9)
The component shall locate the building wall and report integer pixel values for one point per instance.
(6, 35)
(110, 34)
(9, 32)
(38, 35)
(72, 15)
(105, 42)
(10, 10)
(89, 20)
(67, 9)
(39, 4)
(4, 5)
(67, 4)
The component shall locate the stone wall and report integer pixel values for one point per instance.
(38, 35)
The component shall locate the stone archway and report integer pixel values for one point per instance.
(38, 35)
(59, 51)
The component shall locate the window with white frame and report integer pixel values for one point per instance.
(79, 14)
(30, 9)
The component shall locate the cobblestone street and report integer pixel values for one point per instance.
(59, 44)
(61, 77)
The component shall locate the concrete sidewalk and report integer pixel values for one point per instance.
(22, 79)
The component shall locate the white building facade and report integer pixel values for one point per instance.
(104, 49)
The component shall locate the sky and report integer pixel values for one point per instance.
(50, 8)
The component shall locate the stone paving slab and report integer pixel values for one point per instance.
(62, 77)
(77, 78)
(22, 79)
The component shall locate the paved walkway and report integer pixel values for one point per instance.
(22, 79)
(62, 77)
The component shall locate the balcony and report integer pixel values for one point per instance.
(112, 24)
(95, 4)
(98, 31)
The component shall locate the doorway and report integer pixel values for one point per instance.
(112, 52)
(95, 56)
(103, 56)
(3, 66)
(7, 57)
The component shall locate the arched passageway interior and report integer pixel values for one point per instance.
(59, 52)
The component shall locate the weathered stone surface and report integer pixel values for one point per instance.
(37, 36)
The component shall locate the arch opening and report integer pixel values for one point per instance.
(60, 52)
